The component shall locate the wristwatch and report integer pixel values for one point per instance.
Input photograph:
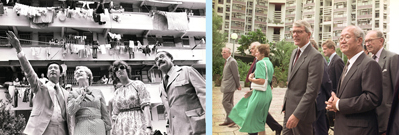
(149, 127)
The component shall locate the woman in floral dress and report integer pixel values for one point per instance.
(131, 104)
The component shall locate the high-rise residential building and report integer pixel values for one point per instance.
(327, 17)
(87, 35)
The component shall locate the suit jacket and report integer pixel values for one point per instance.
(304, 81)
(360, 94)
(325, 89)
(43, 102)
(393, 121)
(388, 63)
(335, 70)
(184, 100)
(231, 77)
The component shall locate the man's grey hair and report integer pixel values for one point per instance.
(359, 33)
(227, 49)
(379, 34)
(300, 23)
(256, 43)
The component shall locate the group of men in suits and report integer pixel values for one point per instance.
(363, 93)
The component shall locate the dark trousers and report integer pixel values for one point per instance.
(272, 123)
(320, 126)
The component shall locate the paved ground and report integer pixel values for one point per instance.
(218, 113)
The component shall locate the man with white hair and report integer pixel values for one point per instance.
(230, 82)
(359, 90)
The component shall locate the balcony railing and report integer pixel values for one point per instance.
(276, 37)
(310, 4)
(261, 14)
(364, 6)
(239, 10)
(290, 7)
(327, 10)
(365, 16)
(326, 35)
(239, 2)
(366, 26)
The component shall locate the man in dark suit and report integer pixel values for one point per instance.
(305, 74)
(359, 89)
(393, 121)
(320, 126)
(183, 95)
(335, 64)
(230, 82)
(270, 121)
(48, 115)
(388, 62)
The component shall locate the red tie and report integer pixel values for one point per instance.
(297, 55)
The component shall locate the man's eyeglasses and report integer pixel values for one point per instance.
(297, 32)
(121, 67)
(160, 56)
(369, 40)
(347, 37)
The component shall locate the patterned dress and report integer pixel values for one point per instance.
(127, 113)
(91, 117)
(250, 113)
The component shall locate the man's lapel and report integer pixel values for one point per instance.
(300, 61)
(382, 59)
(174, 75)
(350, 73)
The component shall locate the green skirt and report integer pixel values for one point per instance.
(251, 113)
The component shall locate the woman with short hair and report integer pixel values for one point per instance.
(88, 106)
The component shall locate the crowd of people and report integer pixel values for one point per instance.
(83, 111)
(362, 94)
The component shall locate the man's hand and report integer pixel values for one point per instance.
(332, 102)
(292, 121)
(248, 94)
(148, 131)
(14, 41)
(239, 88)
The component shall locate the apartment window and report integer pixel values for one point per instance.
(127, 37)
(25, 36)
(45, 37)
(151, 39)
(220, 9)
(228, 1)
(186, 40)
(128, 7)
(220, 1)
(3, 41)
(168, 41)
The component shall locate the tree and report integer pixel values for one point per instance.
(9, 123)
(252, 36)
(218, 42)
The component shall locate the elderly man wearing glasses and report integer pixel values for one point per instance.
(388, 62)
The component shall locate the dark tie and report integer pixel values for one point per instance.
(251, 69)
(374, 57)
(61, 101)
(297, 56)
(344, 73)
(165, 81)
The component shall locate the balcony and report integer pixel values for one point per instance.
(239, 2)
(340, 9)
(307, 12)
(339, 18)
(238, 11)
(289, 15)
(237, 27)
(261, 6)
(336, 1)
(260, 22)
(308, 5)
(261, 14)
(366, 26)
(289, 23)
(327, 10)
(276, 37)
(326, 35)
(339, 28)
(290, 7)
(366, 16)
(238, 19)
(364, 6)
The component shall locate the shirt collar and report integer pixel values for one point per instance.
(332, 55)
(172, 69)
(50, 83)
(304, 47)
(228, 58)
(354, 58)
(378, 54)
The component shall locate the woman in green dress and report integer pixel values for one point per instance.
(251, 111)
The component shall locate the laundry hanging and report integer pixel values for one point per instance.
(177, 20)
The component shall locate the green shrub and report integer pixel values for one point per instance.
(243, 69)
(9, 123)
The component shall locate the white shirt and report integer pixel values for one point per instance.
(351, 61)
(302, 49)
